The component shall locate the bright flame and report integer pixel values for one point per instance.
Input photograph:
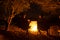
(33, 27)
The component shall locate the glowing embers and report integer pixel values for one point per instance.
(33, 27)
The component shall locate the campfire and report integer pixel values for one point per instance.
(33, 27)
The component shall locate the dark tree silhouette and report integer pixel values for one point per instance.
(20, 21)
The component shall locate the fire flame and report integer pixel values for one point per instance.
(33, 27)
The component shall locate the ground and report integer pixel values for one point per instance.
(23, 35)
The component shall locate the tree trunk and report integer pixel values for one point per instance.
(9, 20)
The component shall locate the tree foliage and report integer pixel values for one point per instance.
(14, 7)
